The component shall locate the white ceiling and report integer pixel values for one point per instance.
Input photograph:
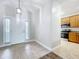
(25, 5)
(68, 6)
(38, 2)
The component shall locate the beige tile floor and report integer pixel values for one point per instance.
(31, 50)
(68, 50)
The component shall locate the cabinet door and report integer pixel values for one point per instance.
(73, 37)
(73, 21)
(77, 20)
(65, 20)
(77, 37)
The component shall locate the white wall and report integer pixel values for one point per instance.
(1, 30)
(48, 27)
(17, 29)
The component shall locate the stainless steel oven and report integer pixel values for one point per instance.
(65, 33)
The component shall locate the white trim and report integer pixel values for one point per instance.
(22, 42)
(5, 45)
(44, 45)
(48, 48)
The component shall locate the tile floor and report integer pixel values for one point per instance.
(68, 50)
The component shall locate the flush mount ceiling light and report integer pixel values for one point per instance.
(19, 10)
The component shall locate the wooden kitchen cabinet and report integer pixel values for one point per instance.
(77, 20)
(65, 20)
(73, 37)
(73, 21)
(62, 21)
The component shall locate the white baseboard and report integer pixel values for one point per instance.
(48, 48)
(5, 45)
(23, 42)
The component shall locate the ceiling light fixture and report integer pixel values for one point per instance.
(19, 10)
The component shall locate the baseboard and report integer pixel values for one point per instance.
(48, 48)
(5, 45)
(23, 42)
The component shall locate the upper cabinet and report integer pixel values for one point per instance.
(77, 20)
(71, 21)
(65, 20)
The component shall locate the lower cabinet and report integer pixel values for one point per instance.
(73, 37)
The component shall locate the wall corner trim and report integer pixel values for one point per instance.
(50, 49)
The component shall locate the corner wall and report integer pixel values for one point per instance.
(48, 32)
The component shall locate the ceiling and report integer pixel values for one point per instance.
(37, 2)
(26, 5)
(68, 6)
